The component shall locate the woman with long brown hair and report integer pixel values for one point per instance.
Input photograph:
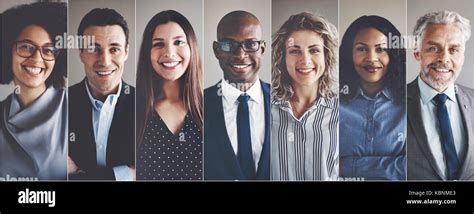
(169, 101)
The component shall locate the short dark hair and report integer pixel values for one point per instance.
(103, 17)
(396, 74)
(52, 16)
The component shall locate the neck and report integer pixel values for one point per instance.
(242, 86)
(371, 89)
(102, 94)
(306, 94)
(26, 96)
(171, 91)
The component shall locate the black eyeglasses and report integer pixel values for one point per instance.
(27, 49)
(247, 45)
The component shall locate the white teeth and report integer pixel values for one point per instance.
(240, 66)
(34, 71)
(104, 73)
(442, 70)
(305, 70)
(170, 64)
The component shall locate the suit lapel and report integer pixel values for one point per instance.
(415, 122)
(224, 144)
(465, 106)
(263, 172)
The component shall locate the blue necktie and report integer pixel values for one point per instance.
(244, 151)
(449, 150)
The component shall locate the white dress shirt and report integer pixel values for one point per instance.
(431, 124)
(102, 117)
(230, 94)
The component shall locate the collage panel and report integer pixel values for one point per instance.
(101, 90)
(305, 91)
(372, 74)
(169, 90)
(440, 91)
(237, 95)
(34, 102)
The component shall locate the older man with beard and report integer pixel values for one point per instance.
(440, 116)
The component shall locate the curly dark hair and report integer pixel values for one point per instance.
(52, 16)
(396, 74)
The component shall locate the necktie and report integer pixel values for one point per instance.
(447, 140)
(244, 151)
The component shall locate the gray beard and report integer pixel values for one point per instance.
(438, 84)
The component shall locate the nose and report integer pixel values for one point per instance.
(240, 52)
(105, 58)
(170, 51)
(371, 56)
(305, 58)
(443, 56)
(36, 56)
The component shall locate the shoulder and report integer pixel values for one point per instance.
(126, 86)
(76, 88)
(466, 90)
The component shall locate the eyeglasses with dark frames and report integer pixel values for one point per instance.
(27, 49)
(247, 45)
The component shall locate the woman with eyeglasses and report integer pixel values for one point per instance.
(169, 101)
(33, 119)
(304, 100)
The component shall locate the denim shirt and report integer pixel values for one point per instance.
(373, 137)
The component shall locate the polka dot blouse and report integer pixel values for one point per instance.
(166, 156)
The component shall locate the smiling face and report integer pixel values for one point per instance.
(240, 66)
(105, 61)
(170, 52)
(304, 57)
(370, 56)
(32, 72)
(441, 55)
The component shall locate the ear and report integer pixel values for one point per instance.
(126, 51)
(416, 53)
(263, 46)
(82, 55)
(217, 51)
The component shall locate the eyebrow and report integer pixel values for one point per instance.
(438, 44)
(379, 44)
(311, 46)
(30, 41)
(161, 39)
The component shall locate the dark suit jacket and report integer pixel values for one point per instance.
(421, 164)
(121, 141)
(220, 162)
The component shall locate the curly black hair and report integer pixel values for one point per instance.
(396, 75)
(52, 16)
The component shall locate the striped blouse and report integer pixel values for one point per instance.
(305, 148)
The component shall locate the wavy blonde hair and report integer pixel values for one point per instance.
(281, 80)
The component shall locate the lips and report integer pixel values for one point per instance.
(240, 67)
(305, 70)
(104, 73)
(372, 68)
(442, 70)
(34, 71)
(170, 64)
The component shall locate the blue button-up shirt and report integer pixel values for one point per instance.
(102, 116)
(373, 137)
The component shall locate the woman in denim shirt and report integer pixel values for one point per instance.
(372, 108)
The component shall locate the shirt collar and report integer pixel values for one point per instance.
(231, 93)
(427, 93)
(111, 98)
(384, 92)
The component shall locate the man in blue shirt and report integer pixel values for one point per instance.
(101, 107)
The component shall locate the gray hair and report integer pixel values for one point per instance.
(441, 17)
